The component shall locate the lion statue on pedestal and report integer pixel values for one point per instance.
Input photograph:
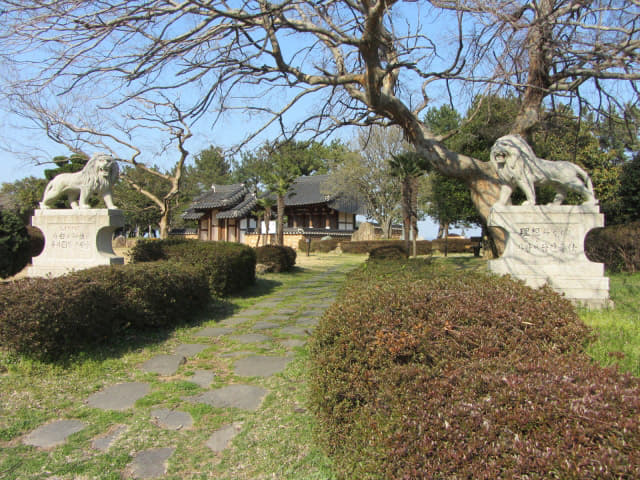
(517, 166)
(97, 177)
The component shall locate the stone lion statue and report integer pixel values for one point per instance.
(518, 166)
(97, 177)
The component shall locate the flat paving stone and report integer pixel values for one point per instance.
(221, 438)
(105, 441)
(150, 463)
(276, 318)
(286, 311)
(54, 433)
(292, 342)
(252, 312)
(264, 325)
(308, 321)
(214, 331)
(246, 397)
(250, 338)
(163, 364)
(202, 378)
(190, 349)
(236, 320)
(293, 330)
(121, 396)
(172, 419)
(260, 366)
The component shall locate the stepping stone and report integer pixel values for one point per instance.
(236, 320)
(54, 433)
(260, 366)
(103, 442)
(172, 419)
(252, 312)
(202, 378)
(277, 318)
(292, 343)
(214, 331)
(308, 321)
(222, 437)
(163, 364)
(264, 325)
(286, 311)
(121, 396)
(293, 330)
(236, 354)
(247, 397)
(250, 338)
(150, 463)
(190, 349)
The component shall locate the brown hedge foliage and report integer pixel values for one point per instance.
(618, 247)
(453, 245)
(422, 373)
(423, 247)
(229, 266)
(388, 252)
(48, 318)
(281, 258)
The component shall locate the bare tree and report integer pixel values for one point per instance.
(162, 118)
(355, 62)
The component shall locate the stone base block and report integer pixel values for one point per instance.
(75, 240)
(545, 245)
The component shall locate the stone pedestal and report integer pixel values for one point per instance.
(545, 244)
(75, 240)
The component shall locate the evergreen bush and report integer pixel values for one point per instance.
(15, 245)
(617, 246)
(279, 258)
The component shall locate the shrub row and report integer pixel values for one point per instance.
(15, 246)
(452, 244)
(229, 267)
(423, 247)
(278, 258)
(618, 247)
(319, 245)
(387, 252)
(420, 373)
(47, 318)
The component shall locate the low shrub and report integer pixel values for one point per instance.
(423, 247)
(278, 258)
(423, 373)
(319, 245)
(388, 252)
(15, 246)
(47, 318)
(230, 267)
(618, 247)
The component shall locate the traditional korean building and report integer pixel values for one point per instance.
(227, 212)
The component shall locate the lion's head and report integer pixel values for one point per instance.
(102, 171)
(508, 156)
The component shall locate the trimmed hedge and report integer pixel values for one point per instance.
(453, 244)
(423, 247)
(280, 258)
(47, 318)
(388, 252)
(15, 246)
(230, 267)
(419, 373)
(319, 245)
(618, 247)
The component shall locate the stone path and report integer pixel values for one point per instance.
(256, 343)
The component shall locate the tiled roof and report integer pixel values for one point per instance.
(191, 214)
(220, 196)
(309, 190)
(240, 210)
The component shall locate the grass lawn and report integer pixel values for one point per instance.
(618, 328)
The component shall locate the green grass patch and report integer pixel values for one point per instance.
(618, 328)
